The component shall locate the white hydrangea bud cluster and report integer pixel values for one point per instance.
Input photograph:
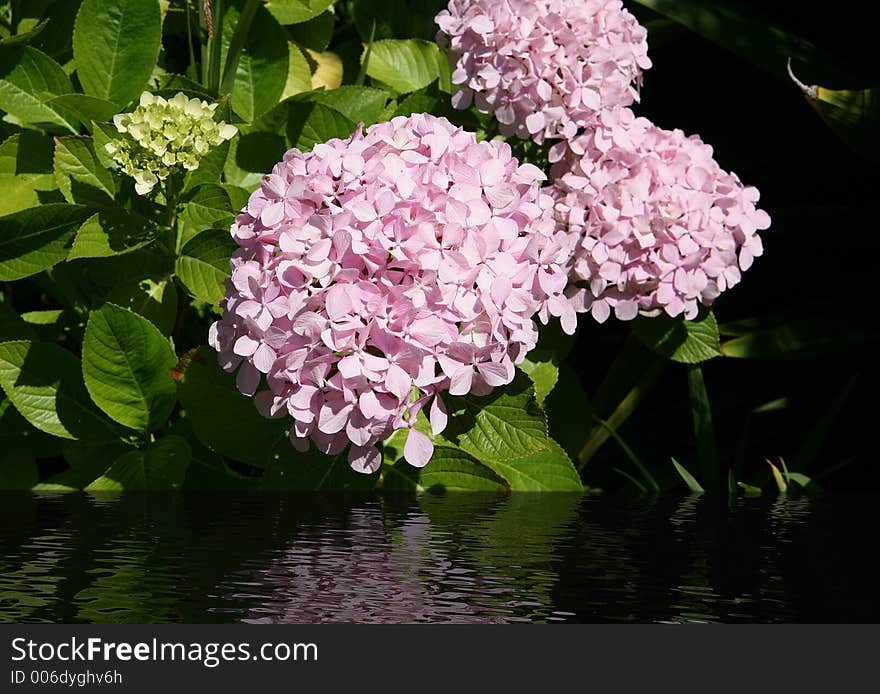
(165, 134)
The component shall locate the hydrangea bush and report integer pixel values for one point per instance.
(547, 68)
(661, 226)
(377, 272)
(387, 246)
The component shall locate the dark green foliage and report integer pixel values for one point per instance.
(107, 296)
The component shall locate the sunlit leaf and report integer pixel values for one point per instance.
(685, 341)
(45, 384)
(127, 368)
(35, 239)
(29, 81)
(116, 44)
(407, 65)
(203, 264)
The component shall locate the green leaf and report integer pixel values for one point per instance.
(12, 326)
(25, 36)
(79, 175)
(299, 73)
(29, 80)
(543, 374)
(86, 108)
(853, 115)
(314, 33)
(35, 239)
(159, 468)
(89, 459)
(432, 100)
(155, 301)
(688, 478)
(704, 431)
(171, 83)
(313, 472)
(45, 384)
(781, 484)
(407, 64)
(507, 424)
(203, 265)
(311, 123)
(208, 205)
(212, 402)
(112, 232)
(358, 104)
(450, 469)
(749, 490)
(27, 153)
(56, 39)
(507, 432)
(546, 470)
(26, 177)
(127, 368)
(262, 68)
(685, 341)
(116, 45)
(296, 11)
(104, 133)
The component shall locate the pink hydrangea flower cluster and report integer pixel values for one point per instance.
(545, 68)
(661, 226)
(378, 271)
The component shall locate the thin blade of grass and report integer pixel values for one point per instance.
(704, 433)
(633, 358)
(236, 44)
(688, 478)
(649, 479)
(778, 478)
(641, 487)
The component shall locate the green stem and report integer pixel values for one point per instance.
(189, 41)
(236, 44)
(215, 47)
(171, 214)
(601, 433)
(630, 453)
(704, 433)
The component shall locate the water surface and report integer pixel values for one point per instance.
(452, 558)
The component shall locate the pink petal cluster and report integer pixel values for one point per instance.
(378, 271)
(661, 226)
(545, 68)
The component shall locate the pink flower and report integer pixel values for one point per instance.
(660, 225)
(375, 273)
(545, 68)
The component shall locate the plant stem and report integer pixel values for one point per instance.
(189, 41)
(704, 433)
(236, 44)
(215, 46)
(171, 214)
(600, 434)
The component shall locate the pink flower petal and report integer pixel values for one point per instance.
(364, 459)
(418, 448)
